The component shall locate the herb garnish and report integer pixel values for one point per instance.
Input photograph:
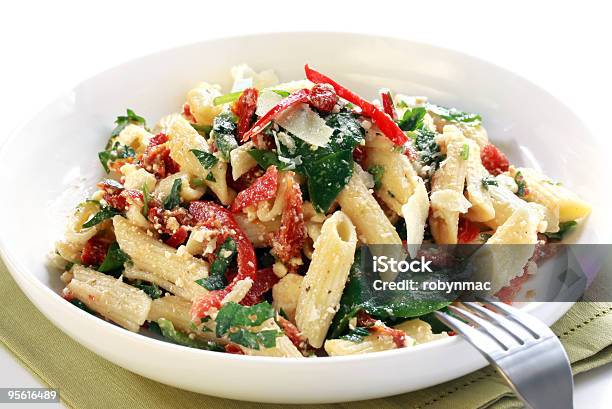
(223, 258)
(174, 198)
(114, 261)
(106, 212)
(377, 172)
(234, 319)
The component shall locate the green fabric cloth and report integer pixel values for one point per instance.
(88, 381)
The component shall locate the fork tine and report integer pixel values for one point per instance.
(516, 331)
(494, 332)
(480, 340)
(531, 324)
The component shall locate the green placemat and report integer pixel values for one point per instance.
(88, 381)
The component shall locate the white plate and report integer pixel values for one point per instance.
(52, 162)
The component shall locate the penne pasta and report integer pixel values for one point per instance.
(165, 262)
(324, 282)
(113, 299)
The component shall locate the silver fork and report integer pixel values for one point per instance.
(523, 349)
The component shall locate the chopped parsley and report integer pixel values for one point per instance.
(356, 335)
(377, 172)
(123, 121)
(145, 200)
(465, 151)
(167, 330)
(224, 99)
(266, 158)
(174, 198)
(282, 93)
(234, 320)
(223, 131)
(106, 212)
(223, 258)
(454, 115)
(203, 130)
(521, 184)
(80, 304)
(489, 181)
(412, 119)
(427, 148)
(208, 160)
(117, 151)
(564, 227)
(210, 177)
(114, 261)
(152, 290)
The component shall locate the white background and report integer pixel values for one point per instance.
(48, 47)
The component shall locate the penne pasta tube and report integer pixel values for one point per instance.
(148, 254)
(110, 297)
(365, 213)
(327, 274)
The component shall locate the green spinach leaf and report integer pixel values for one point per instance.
(564, 228)
(208, 160)
(167, 329)
(223, 131)
(106, 212)
(223, 258)
(174, 198)
(114, 261)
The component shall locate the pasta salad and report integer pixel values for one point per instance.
(235, 225)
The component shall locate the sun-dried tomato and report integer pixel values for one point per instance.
(156, 158)
(94, 251)
(291, 332)
(233, 349)
(494, 160)
(467, 231)
(398, 336)
(187, 113)
(287, 242)
(263, 282)
(244, 108)
(323, 97)
(359, 155)
(178, 237)
(264, 188)
(214, 216)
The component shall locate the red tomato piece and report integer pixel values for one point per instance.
(94, 251)
(468, 231)
(244, 109)
(233, 349)
(203, 304)
(187, 113)
(214, 216)
(291, 332)
(359, 155)
(323, 97)
(399, 336)
(264, 281)
(156, 158)
(287, 242)
(494, 160)
(178, 237)
(264, 188)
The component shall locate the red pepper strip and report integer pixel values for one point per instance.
(384, 122)
(388, 106)
(214, 216)
(264, 281)
(178, 237)
(293, 99)
(263, 188)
